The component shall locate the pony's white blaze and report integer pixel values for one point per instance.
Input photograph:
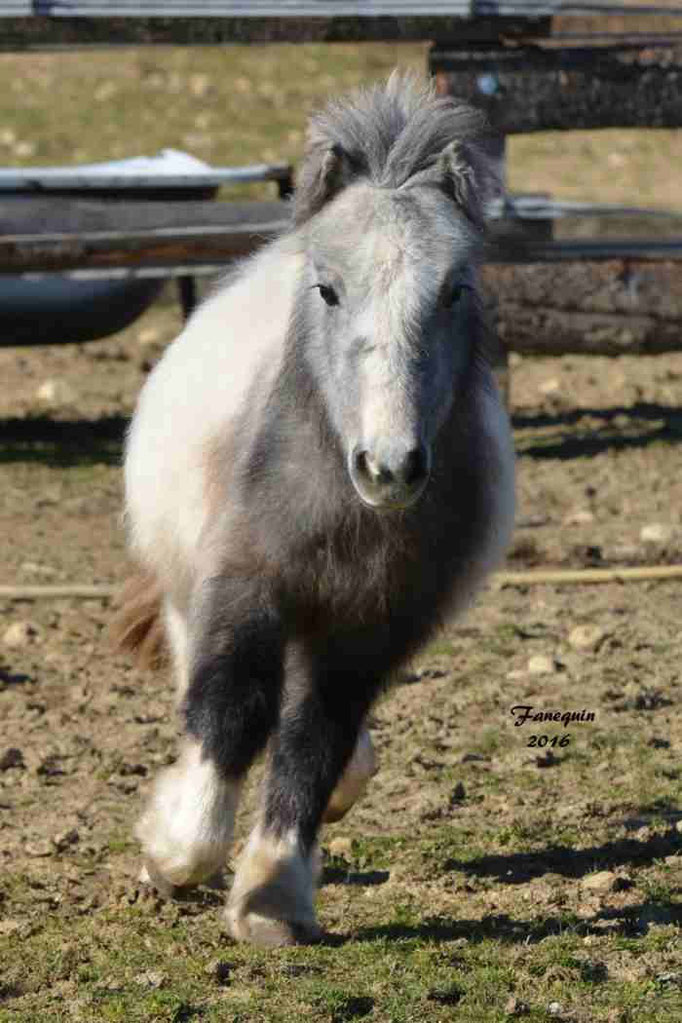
(387, 415)
(194, 396)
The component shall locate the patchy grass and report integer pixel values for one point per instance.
(474, 885)
(400, 958)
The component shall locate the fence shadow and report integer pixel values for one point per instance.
(66, 442)
(63, 442)
(519, 868)
(629, 922)
(647, 424)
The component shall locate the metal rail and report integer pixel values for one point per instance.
(325, 8)
(38, 180)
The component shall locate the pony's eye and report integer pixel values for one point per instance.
(328, 294)
(453, 296)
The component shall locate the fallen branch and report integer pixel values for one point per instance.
(532, 577)
(587, 576)
(76, 590)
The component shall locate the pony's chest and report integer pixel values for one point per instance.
(367, 575)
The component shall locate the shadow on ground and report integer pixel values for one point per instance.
(519, 868)
(620, 428)
(84, 441)
(632, 921)
(64, 442)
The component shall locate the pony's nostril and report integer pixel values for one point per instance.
(360, 463)
(404, 471)
(415, 467)
(366, 466)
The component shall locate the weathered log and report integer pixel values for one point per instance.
(602, 308)
(546, 88)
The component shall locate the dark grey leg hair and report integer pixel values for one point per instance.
(236, 671)
(325, 703)
(316, 735)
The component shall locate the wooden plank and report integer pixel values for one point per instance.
(535, 88)
(41, 235)
(168, 247)
(22, 216)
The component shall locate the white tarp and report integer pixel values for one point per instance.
(170, 168)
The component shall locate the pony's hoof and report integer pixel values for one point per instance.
(269, 932)
(151, 875)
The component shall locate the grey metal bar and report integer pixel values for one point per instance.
(327, 8)
(567, 251)
(540, 207)
(46, 179)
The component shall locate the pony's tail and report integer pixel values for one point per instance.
(137, 626)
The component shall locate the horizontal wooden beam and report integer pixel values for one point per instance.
(545, 88)
(41, 235)
(42, 33)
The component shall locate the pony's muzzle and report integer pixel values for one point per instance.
(395, 478)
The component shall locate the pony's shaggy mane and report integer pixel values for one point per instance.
(387, 134)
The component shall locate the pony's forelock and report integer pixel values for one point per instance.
(387, 134)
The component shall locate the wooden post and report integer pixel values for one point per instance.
(496, 147)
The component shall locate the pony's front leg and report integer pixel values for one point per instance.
(230, 705)
(186, 828)
(272, 899)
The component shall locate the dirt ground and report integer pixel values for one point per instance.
(82, 733)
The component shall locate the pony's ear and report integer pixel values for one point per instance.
(471, 179)
(326, 170)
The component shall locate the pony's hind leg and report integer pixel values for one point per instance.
(351, 785)
(272, 899)
(227, 673)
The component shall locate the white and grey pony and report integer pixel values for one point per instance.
(318, 471)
